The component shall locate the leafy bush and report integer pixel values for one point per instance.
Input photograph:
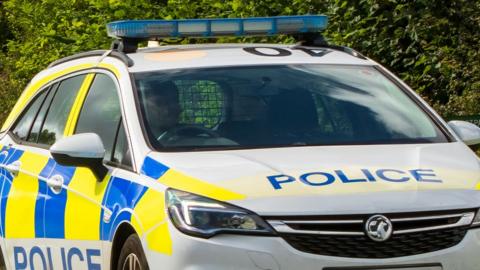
(432, 44)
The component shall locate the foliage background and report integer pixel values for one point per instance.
(433, 45)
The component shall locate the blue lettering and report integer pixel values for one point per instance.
(91, 253)
(64, 261)
(49, 256)
(37, 250)
(420, 175)
(345, 178)
(20, 263)
(326, 178)
(277, 180)
(28, 260)
(381, 174)
(369, 175)
(71, 253)
(329, 179)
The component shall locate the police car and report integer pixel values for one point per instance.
(233, 156)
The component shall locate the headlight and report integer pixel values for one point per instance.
(199, 216)
(476, 220)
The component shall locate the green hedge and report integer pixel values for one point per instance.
(432, 44)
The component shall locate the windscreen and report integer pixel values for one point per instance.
(278, 106)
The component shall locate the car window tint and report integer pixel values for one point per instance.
(101, 113)
(59, 110)
(279, 105)
(37, 125)
(121, 154)
(333, 116)
(22, 127)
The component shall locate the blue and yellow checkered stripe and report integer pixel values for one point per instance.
(72, 214)
(77, 214)
(6, 183)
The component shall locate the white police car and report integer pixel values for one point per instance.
(244, 156)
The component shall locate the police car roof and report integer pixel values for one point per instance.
(220, 55)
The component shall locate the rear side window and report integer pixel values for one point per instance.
(37, 125)
(22, 128)
(101, 113)
(59, 110)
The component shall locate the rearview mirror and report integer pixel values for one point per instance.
(468, 132)
(81, 150)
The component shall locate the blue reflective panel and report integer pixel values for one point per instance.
(227, 27)
(165, 28)
(293, 24)
(193, 28)
(259, 26)
(148, 29)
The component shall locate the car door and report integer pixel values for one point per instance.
(30, 191)
(19, 166)
(25, 162)
(79, 202)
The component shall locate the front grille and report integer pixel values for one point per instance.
(344, 236)
(363, 247)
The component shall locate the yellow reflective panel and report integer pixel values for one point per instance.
(451, 179)
(83, 208)
(150, 210)
(180, 181)
(20, 210)
(111, 68)
(159, 239)
(77, 105)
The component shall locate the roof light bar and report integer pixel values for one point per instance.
(156, 29)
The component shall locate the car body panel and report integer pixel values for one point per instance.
(77, 227)
(201, 56)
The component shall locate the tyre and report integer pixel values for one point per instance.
(3, 266)
(132, 256)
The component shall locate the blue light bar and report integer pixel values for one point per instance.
(155, 29)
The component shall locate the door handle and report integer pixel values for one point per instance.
(55, 183)
(14, 168)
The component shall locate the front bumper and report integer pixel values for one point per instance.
(241, 252)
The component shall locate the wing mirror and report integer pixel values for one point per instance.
(468, 132)
(81, 150)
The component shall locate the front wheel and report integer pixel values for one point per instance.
(132, 256)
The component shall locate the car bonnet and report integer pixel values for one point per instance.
(328, 179)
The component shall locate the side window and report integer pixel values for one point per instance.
(22, 127)
(101, 113)
(37, 125)
(121, 153)
(59, 110)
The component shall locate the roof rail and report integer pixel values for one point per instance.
(348, 50)
(126, 45)
(116, 54)
(317, 40)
